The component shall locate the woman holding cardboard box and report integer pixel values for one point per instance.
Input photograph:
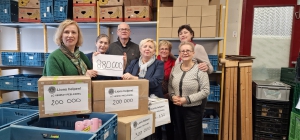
(188, 86)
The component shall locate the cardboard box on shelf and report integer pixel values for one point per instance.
(138, 3)
(64, 95)
(166, 4)
(175, 32)
(111, 14)
(166, 12)
(179, 11)
(198, 2)
(136, 127)
(194, 11)
(137, 13)
(110, 2)
(214, 2)
(178, 21)
(209, 10)
(197, 32)
(165, 32)
(194, 21)
(179, 3)
(29, 3)
(209, 21)
(208, 32)
(29, 15)
(84, 13)
(161, 108)
(165, 22)
(84, 2)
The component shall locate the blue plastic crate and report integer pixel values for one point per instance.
(29, 83)
(8, 11)
(10, 116)
(214, 95)
(60, 10)
(47, 12)
(210, 125)
(23, 103)
(11, 58)
(32, 59)
(214, 61)
(10, 82)
(109, 124)
(15, 132)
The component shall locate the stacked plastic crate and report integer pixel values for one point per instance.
(8, 11)
(271, 109)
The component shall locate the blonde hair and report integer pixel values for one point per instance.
(165, 42)
(60, 30)
(147, 40)
(186, 43)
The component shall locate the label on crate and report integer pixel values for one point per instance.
(29, 84)
(45, 15)
(108, 65)
(5, 11)
(106, 134)
(298, 104)
(61, 9)
(48, 9)
(142, 127)
(6, 83)
(30, 57)
(65, 98)
(162, 113)
(10, 57)
(204, 125)
(121, 98)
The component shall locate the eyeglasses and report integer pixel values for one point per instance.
(185, 51)
(164, 49)
(124, 29)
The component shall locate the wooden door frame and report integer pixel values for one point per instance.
(247, 25)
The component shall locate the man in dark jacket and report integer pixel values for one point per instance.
(124, 45)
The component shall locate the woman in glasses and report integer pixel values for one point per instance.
(188, 86)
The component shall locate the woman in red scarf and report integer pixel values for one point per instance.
(165, 48)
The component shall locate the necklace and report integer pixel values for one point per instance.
(187, 68)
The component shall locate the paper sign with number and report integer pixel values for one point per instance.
(121, 98)
(65, 98)
(142, 127)
(108, 65)
(162, 112)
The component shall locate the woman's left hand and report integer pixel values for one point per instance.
(91, 73)
(128, 76)
(203, 66)
(181, 101)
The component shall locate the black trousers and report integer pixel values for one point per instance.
(188, 123)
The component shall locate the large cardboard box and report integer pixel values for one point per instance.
(165, 32)
(137, 13)
(178, 21)
(166, 12)
(138, 3)
(162, 112)
(84, 13)
(198, 2)
(179, 3)
(111, 14)
(166, 4)
(214, 2)
(209, 10)
(64, 95)
(194, 11)
(84, 2)
(136, 127)
(165, 22)
(110, 2)
(194, 21)
(29, 3)
(197, 32)
(29, 15)
(179, 11)
(175, 32)
(208, 32)
(209, 21)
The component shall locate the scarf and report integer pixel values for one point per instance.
(143, 67)
(75, 58)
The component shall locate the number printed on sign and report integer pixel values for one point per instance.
(109, 65)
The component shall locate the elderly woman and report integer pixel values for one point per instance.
(68, 60)
(188, 86)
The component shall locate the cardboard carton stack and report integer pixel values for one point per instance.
(137, 10)
(84, 11)
(111, 10)
(29, 11)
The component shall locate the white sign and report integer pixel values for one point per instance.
(121, 98)
(108, 65)
(65, 98)
(142, 127)
(162, 112)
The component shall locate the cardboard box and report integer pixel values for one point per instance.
(29, 15)
(110, 2)
(179, 11)
(208, 31)
(175, 32)
(165, 22)
(209, 21)
(136, 127)
(84, 13)
(111, 14)
(209, 10)
(194, 21)
(197, 32)
(29, 3)
(178, 21)
(64, 95)
(162, 111)
(137, 13)
(179, 3)
(214, 2)
(198, 2)
(166, 4)
(194, 11)
(165, 32)
(84, 2)
(99, 106)
(138, 3)
(166, 12)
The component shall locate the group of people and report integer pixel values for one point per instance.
(183, 80)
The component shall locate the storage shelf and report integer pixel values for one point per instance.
(131, 24)
(4, 66)
(195, 39)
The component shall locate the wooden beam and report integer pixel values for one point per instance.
(235, 103)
